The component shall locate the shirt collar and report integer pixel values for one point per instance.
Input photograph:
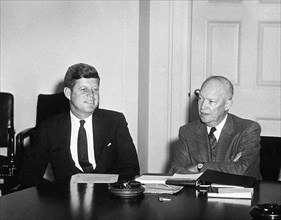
(76, 120)
(219, 126)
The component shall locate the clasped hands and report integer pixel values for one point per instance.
(193, 168)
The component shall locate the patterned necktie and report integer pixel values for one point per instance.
(83, 149)
(213, 142)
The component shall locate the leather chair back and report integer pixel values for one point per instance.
(270, 158)
(48, 105)
(51, 104)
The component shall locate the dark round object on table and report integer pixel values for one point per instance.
(270, 211)
(124, 189)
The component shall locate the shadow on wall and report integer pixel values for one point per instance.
(172, 148)
(193, 115)
(59, 87)
(193, 108)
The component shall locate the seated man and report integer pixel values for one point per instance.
(86, 139)
(218, 140)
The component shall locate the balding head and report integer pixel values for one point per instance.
(226, 86)
(215, 100)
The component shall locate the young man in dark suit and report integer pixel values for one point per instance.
(218, 140)
(86, 139)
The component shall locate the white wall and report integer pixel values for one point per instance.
(168, 79)
(41, 39)
(140, 48)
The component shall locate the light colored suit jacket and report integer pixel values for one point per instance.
(237, 135)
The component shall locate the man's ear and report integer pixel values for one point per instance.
(228, 104)
(67, 92)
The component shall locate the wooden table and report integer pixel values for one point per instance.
(94, 201)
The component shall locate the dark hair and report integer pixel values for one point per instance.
(78, 71)
(224, 81)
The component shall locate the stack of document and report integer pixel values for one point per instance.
(225, 185)
(227, 191)
(152, 179)
(183, 179)
(212, 176)
(176, 179)
(157, 183)
(161, 188)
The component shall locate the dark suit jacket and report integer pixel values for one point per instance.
(237, 135)
(52, 145)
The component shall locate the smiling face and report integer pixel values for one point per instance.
(84, 97)
(213, 102)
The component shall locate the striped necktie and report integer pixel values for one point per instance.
(212, 142)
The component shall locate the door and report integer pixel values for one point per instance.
(240, 40)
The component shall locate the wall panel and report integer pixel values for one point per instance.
(223, 48)
(269, 54)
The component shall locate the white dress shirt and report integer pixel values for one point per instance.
(219, 127)
(75, 124)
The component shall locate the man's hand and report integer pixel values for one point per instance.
(237, 157)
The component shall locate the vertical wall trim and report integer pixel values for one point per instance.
(0, 45)
(143, 84)
(123, 51)
(170, 73)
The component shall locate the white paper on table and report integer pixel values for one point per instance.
(225, 186)
(161, 188)
(189, 176)
(152, 179)
(94, 178)
(246, 202)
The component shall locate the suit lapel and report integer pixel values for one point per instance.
(62, 131)
(65, 133)
(65, 125)
(99, 129)
(225, 138)
(202, 142)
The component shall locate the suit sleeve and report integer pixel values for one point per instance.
(248, 142)
(127, 156)
(181, 157)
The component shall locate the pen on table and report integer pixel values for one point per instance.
(164, 199)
